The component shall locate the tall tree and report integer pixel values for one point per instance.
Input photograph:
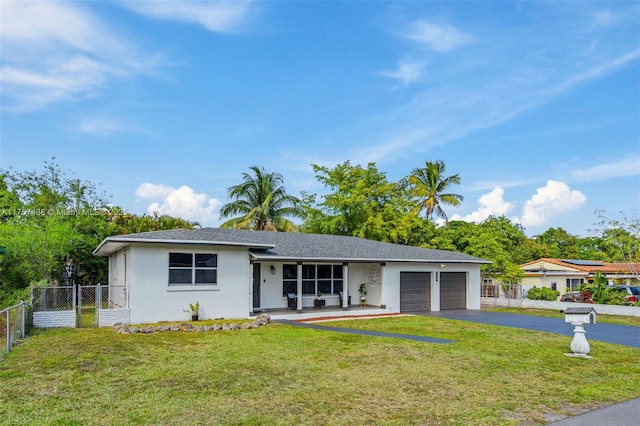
(429, 186)
(363, 203)
(561, 244)
(262, 202)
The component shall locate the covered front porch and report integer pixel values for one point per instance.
(303, 287)
(328, 312)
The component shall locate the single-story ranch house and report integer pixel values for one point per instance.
(154, 276)
(566, 275)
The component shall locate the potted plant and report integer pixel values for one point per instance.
(319, 302)
(363, 292)
(194, 308)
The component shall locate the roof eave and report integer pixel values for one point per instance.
(361, 259)
(104, 247)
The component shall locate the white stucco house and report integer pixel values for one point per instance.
(154, 276)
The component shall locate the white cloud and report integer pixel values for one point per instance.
(491, 204)
(183, 202)
(219, 16)
(439, 37)
(550, 201)
(59, 51)
(624, 167)
(407, 72)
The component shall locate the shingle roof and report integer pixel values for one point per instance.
(586, 266)
(291, 246)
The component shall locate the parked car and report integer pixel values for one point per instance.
(632, 292)
(573, 296)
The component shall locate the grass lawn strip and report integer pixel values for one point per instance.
(609, 319)
(286, 375)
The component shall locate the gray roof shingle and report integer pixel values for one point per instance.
(291, 246)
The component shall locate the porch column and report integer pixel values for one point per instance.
(299, 289)
(383, 304)
(345, 286)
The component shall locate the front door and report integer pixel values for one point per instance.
(256, 285)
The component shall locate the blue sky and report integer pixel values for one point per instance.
(536, 105)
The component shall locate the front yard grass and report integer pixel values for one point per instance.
(279, 374)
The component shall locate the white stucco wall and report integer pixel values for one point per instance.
(151, 299)
(391, 282)
(385, 292)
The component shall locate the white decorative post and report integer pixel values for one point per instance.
(579, 317)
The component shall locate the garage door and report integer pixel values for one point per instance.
(415, 291)
(453, 290)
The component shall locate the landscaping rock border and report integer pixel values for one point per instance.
(262, 319)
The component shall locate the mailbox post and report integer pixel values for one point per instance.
(579, 317)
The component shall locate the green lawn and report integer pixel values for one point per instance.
(279, 374)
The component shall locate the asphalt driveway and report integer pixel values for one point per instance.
(625, 335)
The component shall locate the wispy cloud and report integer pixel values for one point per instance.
(595, 72)
(407, 72)
(481, 89)
(438, 37)
(59, 51)
(218, 16)
(483, 185)
(624, 167)
(106, 126)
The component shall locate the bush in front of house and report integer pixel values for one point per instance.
(543, 293)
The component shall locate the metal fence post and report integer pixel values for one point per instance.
(8, 330)
(98, 304)
(77, 307)
(24, 317)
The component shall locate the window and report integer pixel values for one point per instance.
(554, 286)
(193, 269)
(324, 278)
(573, 284)
(289, 279)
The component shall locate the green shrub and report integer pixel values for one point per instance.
(543, 293)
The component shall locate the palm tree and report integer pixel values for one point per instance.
(428, 185)
(262, 202)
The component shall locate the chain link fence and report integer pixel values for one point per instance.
(13, 323)
(47, 299)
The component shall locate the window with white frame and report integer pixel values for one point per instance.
(326, 279)
(193, 269)
(574, 284)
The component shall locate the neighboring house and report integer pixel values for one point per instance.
(237, 273)
(566, 275)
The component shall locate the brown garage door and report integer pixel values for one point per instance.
(415, 291)
(453, 290)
